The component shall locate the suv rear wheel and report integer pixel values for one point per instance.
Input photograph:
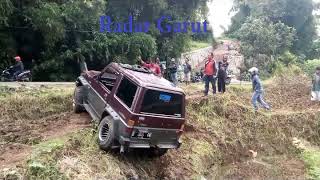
(106, 133)
(78, 100)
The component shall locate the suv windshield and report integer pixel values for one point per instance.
(164, 103)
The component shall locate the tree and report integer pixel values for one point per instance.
(296, 14)
(53, 36)
(262, 41)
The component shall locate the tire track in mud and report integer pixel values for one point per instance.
(15, 153)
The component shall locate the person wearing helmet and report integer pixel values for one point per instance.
(257, 90)
(18, 67)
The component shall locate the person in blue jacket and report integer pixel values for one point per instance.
(257, 90)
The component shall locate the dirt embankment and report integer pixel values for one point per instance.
(223, 139)
(30, 116)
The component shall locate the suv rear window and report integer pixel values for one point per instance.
(127, 91)
(164, 103)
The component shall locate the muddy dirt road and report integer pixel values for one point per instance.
(19, 137)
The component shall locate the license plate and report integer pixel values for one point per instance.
(144, 134)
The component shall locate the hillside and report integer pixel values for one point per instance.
(223, 139)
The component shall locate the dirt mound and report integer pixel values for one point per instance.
(18, 141)
(29, 116)
(291, 93)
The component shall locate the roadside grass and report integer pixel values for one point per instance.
(312, 160)
(33, 103)
(43, 161)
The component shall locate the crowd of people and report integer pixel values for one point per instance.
(212, 73)
(215, 73)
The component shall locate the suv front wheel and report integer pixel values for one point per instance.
(78, 100)
(106, 133)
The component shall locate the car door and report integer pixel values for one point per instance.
(101, 87)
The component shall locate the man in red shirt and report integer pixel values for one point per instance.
(155, 68)
(210, 74)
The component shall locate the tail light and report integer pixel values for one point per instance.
(130, 124)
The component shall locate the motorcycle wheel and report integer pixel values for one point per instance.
(228, 81)
(25, 79)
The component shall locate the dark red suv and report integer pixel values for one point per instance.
(134, 108)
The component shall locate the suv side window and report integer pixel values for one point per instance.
(108, 79)
(126, 91)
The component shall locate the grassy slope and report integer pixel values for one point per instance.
(219, 135)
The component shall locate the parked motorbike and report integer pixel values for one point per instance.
(7, 75)
(230, 76)
(196, 78)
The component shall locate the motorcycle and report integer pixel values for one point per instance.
(230, 76)
(196, 78)
(7, 75)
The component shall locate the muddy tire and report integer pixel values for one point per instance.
(78, 100)
(156, 152)
(106, 133)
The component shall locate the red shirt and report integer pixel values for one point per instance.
(210, 67)
(155, 68)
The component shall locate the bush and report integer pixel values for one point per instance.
(310, 66)
(281, 70)
(288, 58)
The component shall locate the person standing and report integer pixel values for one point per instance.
(316, 86)
(162, 68)
(187, 72)
(257, 90)
(225, 63)
(150, 64)
(222, 76)
(173, 69)
(210, 73)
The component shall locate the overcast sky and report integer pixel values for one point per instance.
(219, 15)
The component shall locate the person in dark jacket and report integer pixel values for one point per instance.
(257, 90)
(222, 76)
(18, 68)
(225, 63)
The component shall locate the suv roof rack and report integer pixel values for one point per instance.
(137, 68)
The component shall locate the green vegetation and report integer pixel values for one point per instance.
(275, 31)
(312, 160)
(42, 164)
(310, 66)
(53, 36)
